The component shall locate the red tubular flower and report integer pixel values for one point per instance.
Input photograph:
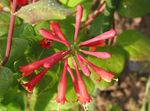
(55, 27)
(46, 43)
(35, 80)
(102, 55)
(78, 20)
(83, 96)
(62, 86)
(101, 72)
(107, 35)
(50, 36)
(28, 69)
(21, 2)
(73, 80)
(84, 68)
(55, 59)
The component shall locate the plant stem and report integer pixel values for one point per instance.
(10, 33)
(99, 10)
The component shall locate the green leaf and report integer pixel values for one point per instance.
(18, 49)
(6, 79)
(115, 64)
(14, 100)
(24, 31)
(86, 4)
(45, 90)
(4, 2)
(136, 44)
(43, 10)
(72, 3)
(40, 25)
(134, 8)
(4, 22)
(2, 107)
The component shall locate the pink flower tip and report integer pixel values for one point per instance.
(83, 96)
(102, 55)
(29, 86)
(96, 40)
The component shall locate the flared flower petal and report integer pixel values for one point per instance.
(28, 69)
(102, 55)
(83, 96)
(84, 68)
(106, 35)
(55, 27)
(50, 36)
(60, 98)
(29, 86)
(107, 76)
(78, 20)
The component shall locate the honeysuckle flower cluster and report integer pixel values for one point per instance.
(76, 52)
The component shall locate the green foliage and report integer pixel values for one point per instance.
(133, 8)
(4, 2)
(18, 49)
(115, 64)
(104, 21)
(4, 22)
(6, 80)
(43, 10)
(136, 44)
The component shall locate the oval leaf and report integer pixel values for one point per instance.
(134, 8)
(6, 79)
(136, 44)
(43, 10)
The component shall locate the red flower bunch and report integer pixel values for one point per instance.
(74, 51)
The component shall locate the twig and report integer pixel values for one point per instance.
(94, 15)
(10, 32)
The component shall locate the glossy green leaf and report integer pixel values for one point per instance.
(43, 10)
(136, 44)
(115, 64)
(18, 49)
(6, 79)
(134, 8)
